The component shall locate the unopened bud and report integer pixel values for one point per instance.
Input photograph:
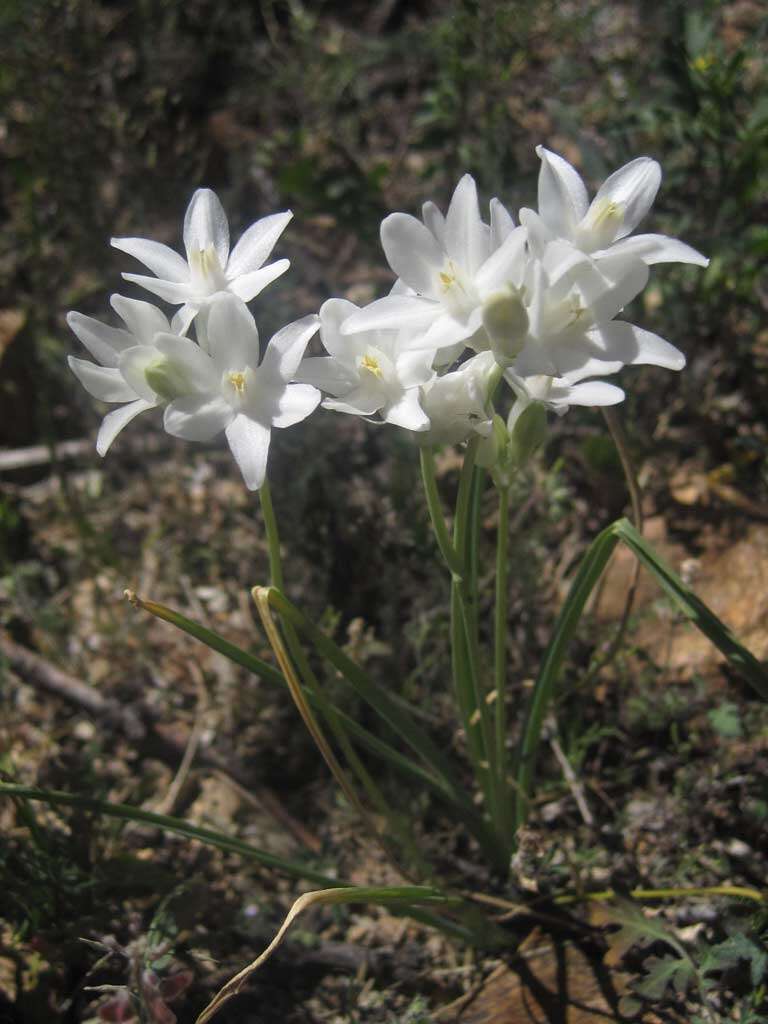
(506, 322)
(528, 433)
(166, 379)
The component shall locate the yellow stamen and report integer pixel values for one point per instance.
(371, 364)
(237, 380)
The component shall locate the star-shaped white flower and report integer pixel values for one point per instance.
(602, 226)
(210, 268)
(233, 391)
(445, 266)
(373, 372)
(105, 379)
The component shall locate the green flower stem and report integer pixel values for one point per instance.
(273, 538)
(447, 550)
(500, 662)
(466, 654)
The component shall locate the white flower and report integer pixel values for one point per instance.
(210, 268)
(231, 390)
(105, 379)
(601, 226)
(445, 266)
(571, 302)
(370, 372)
(457, 402)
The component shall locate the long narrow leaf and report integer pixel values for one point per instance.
(695, 610)
(211, 639)
(587, 576)
(394, 713)
(271, 675)
(56, 797)
(390, 710)
(589, 573)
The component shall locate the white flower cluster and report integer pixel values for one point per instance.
(534, 304)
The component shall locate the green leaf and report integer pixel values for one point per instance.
(735, 949)
(695, 610)
(662, 972)
(588, 574)
(636, 930)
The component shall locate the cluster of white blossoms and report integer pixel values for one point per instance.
(481, 314)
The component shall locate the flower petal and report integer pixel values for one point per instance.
(655, 249)
(326, 373)
(198, 417)
(412, 251)
(114, 422)
(393, 312)
(434, 221)
(467, 238)
(502, 223)
(407, 412)
(182, 318)
(343, 347)
(103, 382)
(103, 342)
(633, 188)
(447, 330)
(361, 401)
(171, 291)
(232, 336)
(562, 194)
(592, 392)
(539, 235)
(296, 403)
(286, 349)
(415, 367)
(635, 346)
(505, 265)
(205, 224)
(248, 286)
(142, 319)
(256, 244)
(249, 443)
(629, 277)
(159, 258)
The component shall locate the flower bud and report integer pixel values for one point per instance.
(506, 322)
(166, 379)
(527, 433)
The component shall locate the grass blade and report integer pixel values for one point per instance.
(56, 797)
(589, 572)
(695, 610)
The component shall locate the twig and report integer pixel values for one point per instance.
(575, 786)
